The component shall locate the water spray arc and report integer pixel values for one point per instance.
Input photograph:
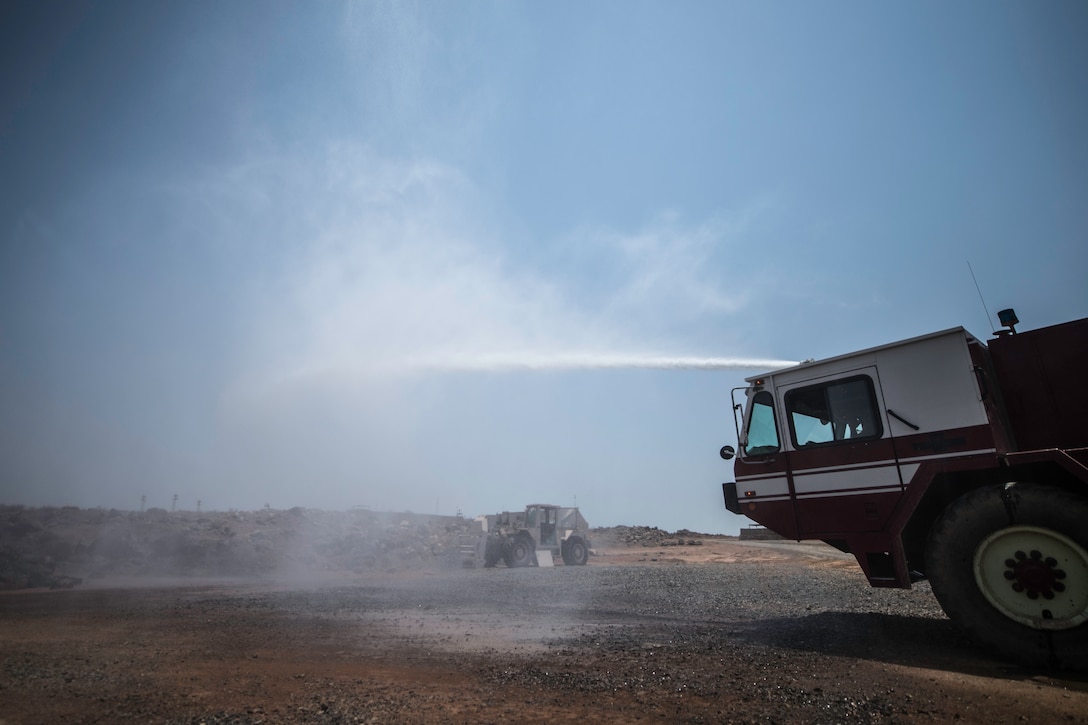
(589, 361)
(524, 361)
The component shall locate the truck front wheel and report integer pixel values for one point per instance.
(1010, 565)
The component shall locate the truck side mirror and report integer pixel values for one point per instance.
(727, 452)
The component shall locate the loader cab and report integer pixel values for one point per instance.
(543, 518)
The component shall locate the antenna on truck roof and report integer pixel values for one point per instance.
(984, 307)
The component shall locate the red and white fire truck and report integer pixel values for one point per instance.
(941, 458)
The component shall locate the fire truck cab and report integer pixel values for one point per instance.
(942, 458)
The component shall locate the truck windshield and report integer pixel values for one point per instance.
(761, 437)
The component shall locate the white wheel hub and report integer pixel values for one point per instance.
(1035, 576)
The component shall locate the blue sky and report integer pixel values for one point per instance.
(415, 255)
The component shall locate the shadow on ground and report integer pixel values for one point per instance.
(910, 641)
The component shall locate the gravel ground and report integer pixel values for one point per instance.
(787, 634)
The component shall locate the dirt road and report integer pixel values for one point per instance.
(722, 632)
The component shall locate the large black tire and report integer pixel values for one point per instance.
(575, 552)
(492, 551)
(522, 552)
(1010, 566)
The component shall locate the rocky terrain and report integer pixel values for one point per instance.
(367, 619)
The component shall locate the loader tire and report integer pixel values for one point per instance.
(575, 552)
(492, 552)
(1010, 566)
(522, 552)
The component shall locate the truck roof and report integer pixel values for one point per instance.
(867, 351)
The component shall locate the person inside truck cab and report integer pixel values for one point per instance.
(840, 411)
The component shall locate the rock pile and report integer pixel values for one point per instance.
(644, 536)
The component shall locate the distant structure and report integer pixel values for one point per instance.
(760, 533)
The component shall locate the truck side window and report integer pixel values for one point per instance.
(762, 433)
(844, 410)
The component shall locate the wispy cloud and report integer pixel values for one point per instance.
(399, 266)
(670, 269)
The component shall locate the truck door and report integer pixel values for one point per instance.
(843, 472)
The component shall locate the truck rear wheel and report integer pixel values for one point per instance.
(1011, 567)
(575, 552)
